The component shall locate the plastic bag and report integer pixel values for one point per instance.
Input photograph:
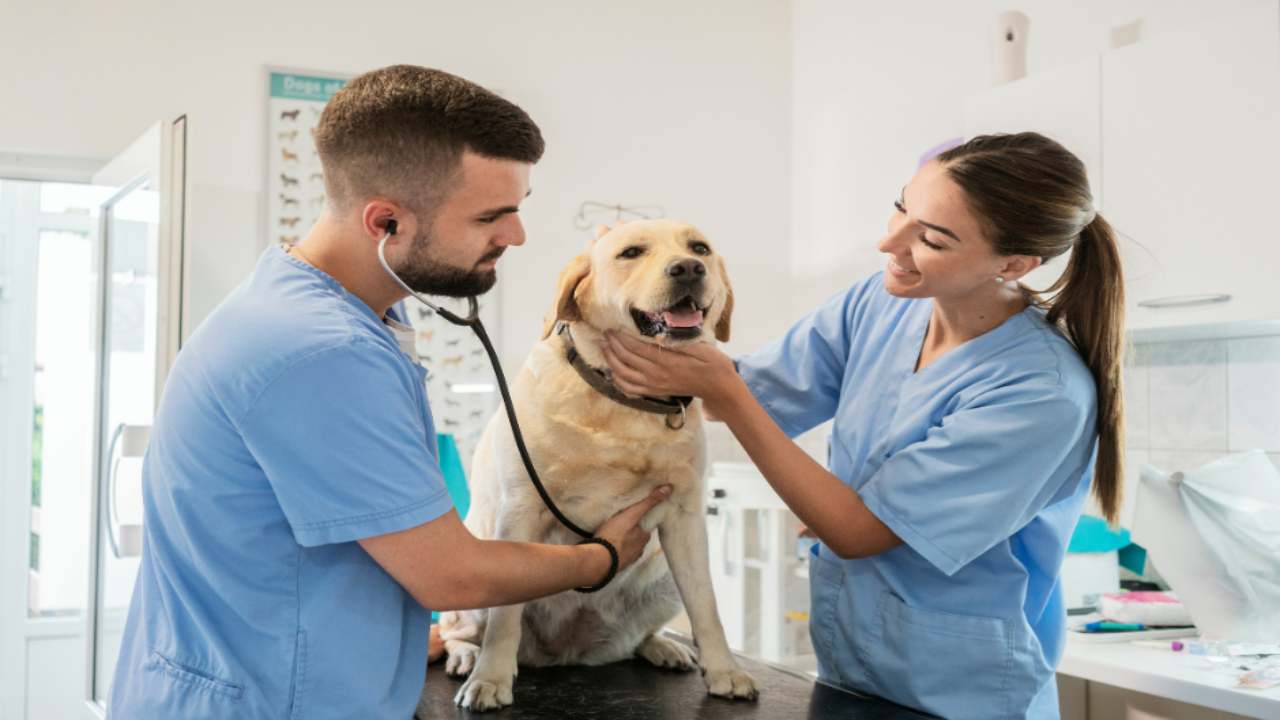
(1214, 535)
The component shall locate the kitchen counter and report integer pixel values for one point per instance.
(635, 690)
(1177, 676)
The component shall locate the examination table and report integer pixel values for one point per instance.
(635, 690)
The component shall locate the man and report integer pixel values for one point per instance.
(297, 526)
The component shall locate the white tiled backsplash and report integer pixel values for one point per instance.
(1190, 402)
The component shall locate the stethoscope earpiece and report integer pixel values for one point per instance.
(473, 308)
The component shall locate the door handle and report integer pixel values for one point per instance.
(132, 442)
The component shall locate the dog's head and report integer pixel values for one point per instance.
(660, 279)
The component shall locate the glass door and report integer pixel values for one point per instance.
(139, 327)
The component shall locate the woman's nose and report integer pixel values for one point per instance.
(891, 242)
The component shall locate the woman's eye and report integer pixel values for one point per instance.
(925, 240)
(897, 204)
(700, 248)
(631, 252)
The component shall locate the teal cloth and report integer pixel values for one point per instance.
(1134, 557)
(455, 480)
(1092, 534)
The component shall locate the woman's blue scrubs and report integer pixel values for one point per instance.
(979, 462)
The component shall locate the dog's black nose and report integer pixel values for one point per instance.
(687, 270)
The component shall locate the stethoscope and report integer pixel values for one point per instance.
(472, 320)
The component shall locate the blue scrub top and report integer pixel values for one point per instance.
(291, 426)
(980, 463)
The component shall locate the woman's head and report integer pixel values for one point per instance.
(941, 247)
(987, 212)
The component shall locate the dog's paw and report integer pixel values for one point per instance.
(731, 683)
(462, 658)
(666, 653)
(486, 691)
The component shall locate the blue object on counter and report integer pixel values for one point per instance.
(1108, 626)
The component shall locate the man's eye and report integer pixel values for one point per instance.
(897, 204)
(700, 248)
(631, 252)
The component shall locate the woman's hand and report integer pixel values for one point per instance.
(698, 369)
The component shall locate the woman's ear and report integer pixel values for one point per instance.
(574, 279)
(722, 324)
(1015, 266)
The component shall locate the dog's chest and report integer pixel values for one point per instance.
(624, 464)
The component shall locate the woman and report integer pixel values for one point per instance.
(967, 415)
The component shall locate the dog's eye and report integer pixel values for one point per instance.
(634, 251)
(700, 248)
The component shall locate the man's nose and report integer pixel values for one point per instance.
(514, 235)
(686, 271)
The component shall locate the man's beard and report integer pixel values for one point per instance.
(426, 274)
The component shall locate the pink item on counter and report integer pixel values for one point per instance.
(1153, 609)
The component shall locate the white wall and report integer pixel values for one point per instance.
(877, 84)
(665, 102)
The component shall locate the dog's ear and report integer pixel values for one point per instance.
(574, 279)
(722, 324)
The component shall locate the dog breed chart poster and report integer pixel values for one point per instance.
(460, 384)
(295, 182)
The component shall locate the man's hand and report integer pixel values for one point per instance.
(623, 531)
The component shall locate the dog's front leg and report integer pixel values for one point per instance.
(683, 534)
(490, 684)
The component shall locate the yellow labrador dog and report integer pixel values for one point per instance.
(660, 280)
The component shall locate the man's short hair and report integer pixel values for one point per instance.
(399, 132)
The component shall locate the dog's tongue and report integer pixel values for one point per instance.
(682, 317)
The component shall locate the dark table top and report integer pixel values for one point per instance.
(635, 690)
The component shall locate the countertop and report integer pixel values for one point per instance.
(1174, 675)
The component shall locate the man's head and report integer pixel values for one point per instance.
(446, 159)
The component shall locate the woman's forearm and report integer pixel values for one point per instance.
(831, 509)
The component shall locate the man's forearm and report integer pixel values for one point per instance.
(500, 572)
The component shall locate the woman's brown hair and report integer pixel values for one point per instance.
(1033, 197)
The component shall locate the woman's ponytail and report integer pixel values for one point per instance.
(1088, 304)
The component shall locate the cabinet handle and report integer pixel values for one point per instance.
(1185, 300)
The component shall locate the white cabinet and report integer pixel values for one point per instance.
(1064, 104)
(762, 601)
(1190, 163)
(1181, 138)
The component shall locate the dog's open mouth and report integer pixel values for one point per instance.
(681, 321)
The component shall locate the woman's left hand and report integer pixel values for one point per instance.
(698, 369)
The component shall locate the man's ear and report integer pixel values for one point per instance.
(574, 279)
(722, 324)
